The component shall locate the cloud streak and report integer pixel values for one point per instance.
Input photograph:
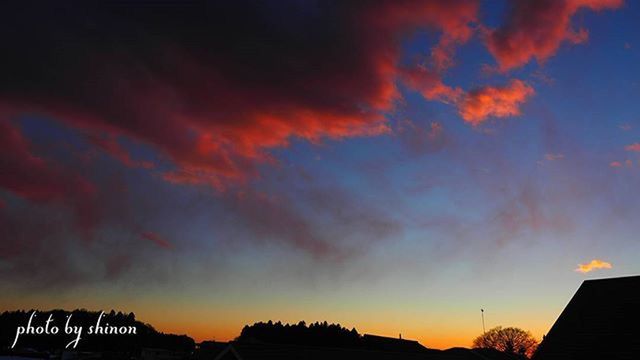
(635, 147)
(156, 239)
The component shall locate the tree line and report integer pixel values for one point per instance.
(315, 334)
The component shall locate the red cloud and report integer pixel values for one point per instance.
(112, 147)
(212, 87)
(215, 111)
(633, 147)
(41, 180)
(430, 85)
(32, 177)
(477, 105)
(453, 18)
(23, 173)
(615, 164)
(494, 101)
(536, 28)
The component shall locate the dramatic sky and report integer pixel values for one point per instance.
(392, 166)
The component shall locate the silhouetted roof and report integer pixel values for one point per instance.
(602, 320)
(261, 351)
(208, 350)
(480, 353)
(375, 342)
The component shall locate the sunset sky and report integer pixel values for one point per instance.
(393, 166)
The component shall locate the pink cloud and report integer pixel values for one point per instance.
(633, 147)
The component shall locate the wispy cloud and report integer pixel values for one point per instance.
(550, 157)
(553, 157)
(595, 264)
(633, 147)
(157, 239)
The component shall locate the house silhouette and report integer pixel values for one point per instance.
(377, 348)
(602, 321)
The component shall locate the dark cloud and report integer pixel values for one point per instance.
(210, 88)
(213, 85)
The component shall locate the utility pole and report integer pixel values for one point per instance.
(482, 314)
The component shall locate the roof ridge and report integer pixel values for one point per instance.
(613, 278)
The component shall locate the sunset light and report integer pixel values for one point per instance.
(305, 173)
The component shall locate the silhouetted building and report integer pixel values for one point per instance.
(602, 321)
(208, 350)
(262, 351)
(162, 354)
(375, 342)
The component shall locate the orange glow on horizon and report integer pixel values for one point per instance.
(432, 339)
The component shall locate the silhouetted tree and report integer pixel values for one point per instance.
(318, 334)
(510, 340)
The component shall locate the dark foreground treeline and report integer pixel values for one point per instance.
(146, 336)
(323, 340)
(256, 342)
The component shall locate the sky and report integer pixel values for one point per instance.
(393, 166)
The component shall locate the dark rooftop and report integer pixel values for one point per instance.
(262, 351)
(602, 320)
